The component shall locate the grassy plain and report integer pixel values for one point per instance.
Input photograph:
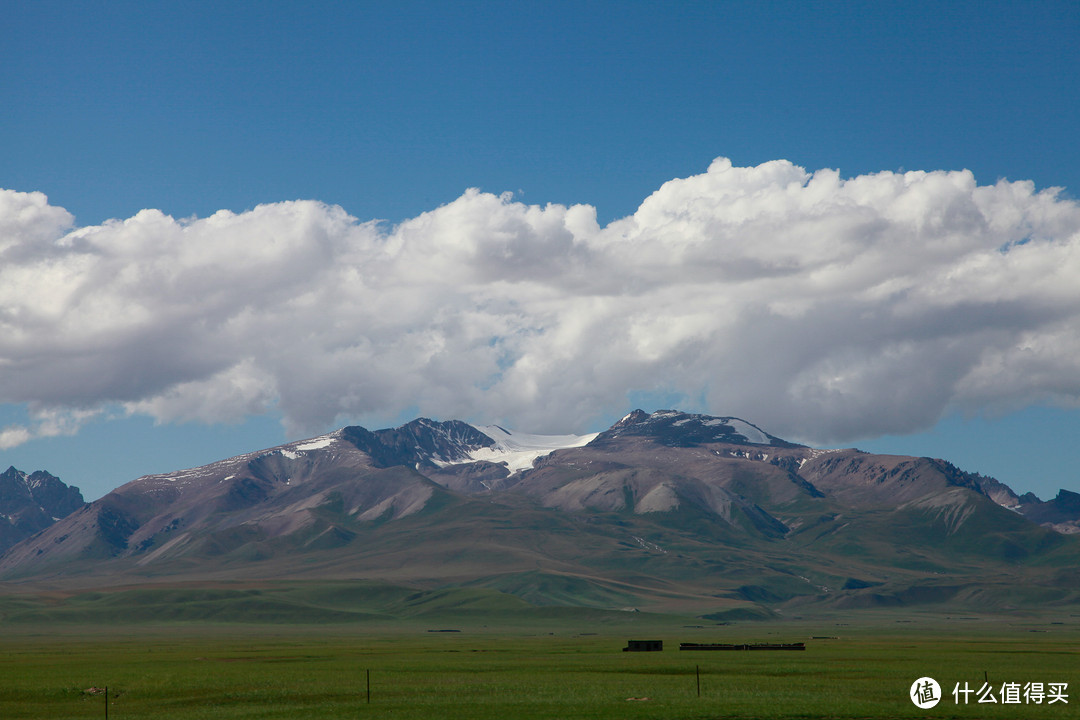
(554, 666)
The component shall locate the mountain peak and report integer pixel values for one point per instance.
(430, 443)
(30, 503)
(520, 450)
(679, 429)
(632, 418)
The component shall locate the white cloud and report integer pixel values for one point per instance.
(28, 224)
(46, 422)
(819, 307)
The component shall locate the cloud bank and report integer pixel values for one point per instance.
(822, 308)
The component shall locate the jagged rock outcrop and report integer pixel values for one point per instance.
(31, 503)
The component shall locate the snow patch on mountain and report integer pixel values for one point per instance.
(752, 434)
(294, 451)
(316, 443)
(519, 450)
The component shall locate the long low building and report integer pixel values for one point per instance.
(744, 646)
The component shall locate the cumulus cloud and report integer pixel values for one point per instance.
(46, 422)
(823, 308)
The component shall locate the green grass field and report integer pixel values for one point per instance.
(555, 667)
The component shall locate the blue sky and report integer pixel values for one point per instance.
(186, 339)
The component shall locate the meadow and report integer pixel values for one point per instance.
(547, 667)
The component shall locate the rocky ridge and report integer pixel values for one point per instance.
(664, 505)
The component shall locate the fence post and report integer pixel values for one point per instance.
(369, 687)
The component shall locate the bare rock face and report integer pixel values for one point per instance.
(31, 503)
(1062, 513)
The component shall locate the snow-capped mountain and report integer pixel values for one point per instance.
(427, 442)
(692, 508)
(685, 429)
(519, 451)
